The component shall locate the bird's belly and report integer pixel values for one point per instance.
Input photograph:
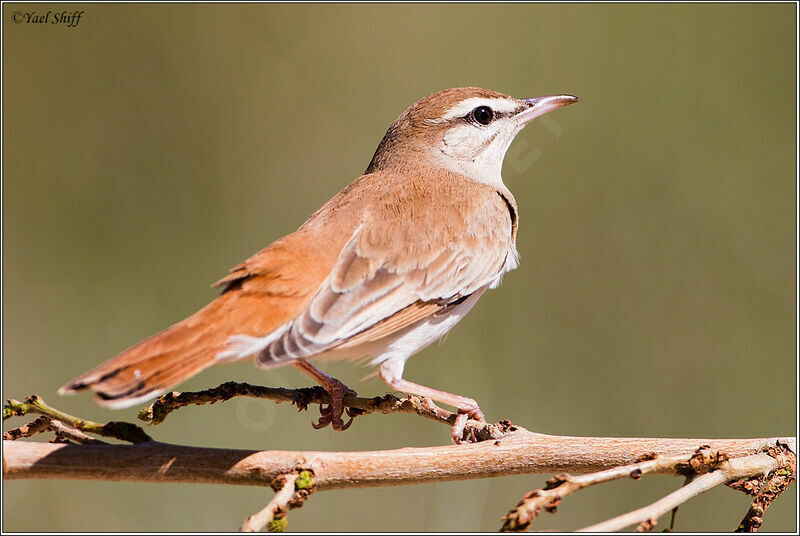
(405, 343)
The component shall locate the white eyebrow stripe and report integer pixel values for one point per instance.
(497, 104)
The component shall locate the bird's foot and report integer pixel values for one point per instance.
(466, 412)
(332, 413)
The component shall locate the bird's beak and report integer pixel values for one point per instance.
(541, 105)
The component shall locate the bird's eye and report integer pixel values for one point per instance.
(482, 115)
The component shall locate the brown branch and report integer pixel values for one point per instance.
(519, 452)
(302, 398)
(774, 484)
(512, 450)
(275, 509)
(41, 424)
(673, 513)
(560, 486)
(702, 462)
(65, 433)
(731, 469)
(292, 490)
(46, 424)
(34, 404)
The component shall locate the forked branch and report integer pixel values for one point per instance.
(705, 469)
(727, 471)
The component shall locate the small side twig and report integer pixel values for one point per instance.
(704, 469)
(774, 484)
(274, 508)
(124, 431)
(41, 424)
(732, 469)
(673, 514)
(65, 433)
(560, 486)
(291, 492)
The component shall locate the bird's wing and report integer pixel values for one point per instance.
(418, 252)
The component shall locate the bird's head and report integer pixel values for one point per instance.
(466, 130)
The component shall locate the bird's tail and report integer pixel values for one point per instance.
(147, 369)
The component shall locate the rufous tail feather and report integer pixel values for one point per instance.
(150, 367)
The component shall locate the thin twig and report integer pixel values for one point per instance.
(41, 424)
(674, 513)
(560, 486)
(775, 483)
(46, 424)
(291, 491)
(732, 469)
(302, 398)
(124, 431)
(275, 507)
(65, 433)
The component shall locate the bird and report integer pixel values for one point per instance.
(382, 270)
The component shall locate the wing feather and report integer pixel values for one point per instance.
(398, 268)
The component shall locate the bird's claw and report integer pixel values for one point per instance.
(332, 413)
(464, 414)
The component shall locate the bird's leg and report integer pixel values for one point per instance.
(467, 407)
(331, 414)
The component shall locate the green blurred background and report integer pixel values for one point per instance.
(152, 147)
